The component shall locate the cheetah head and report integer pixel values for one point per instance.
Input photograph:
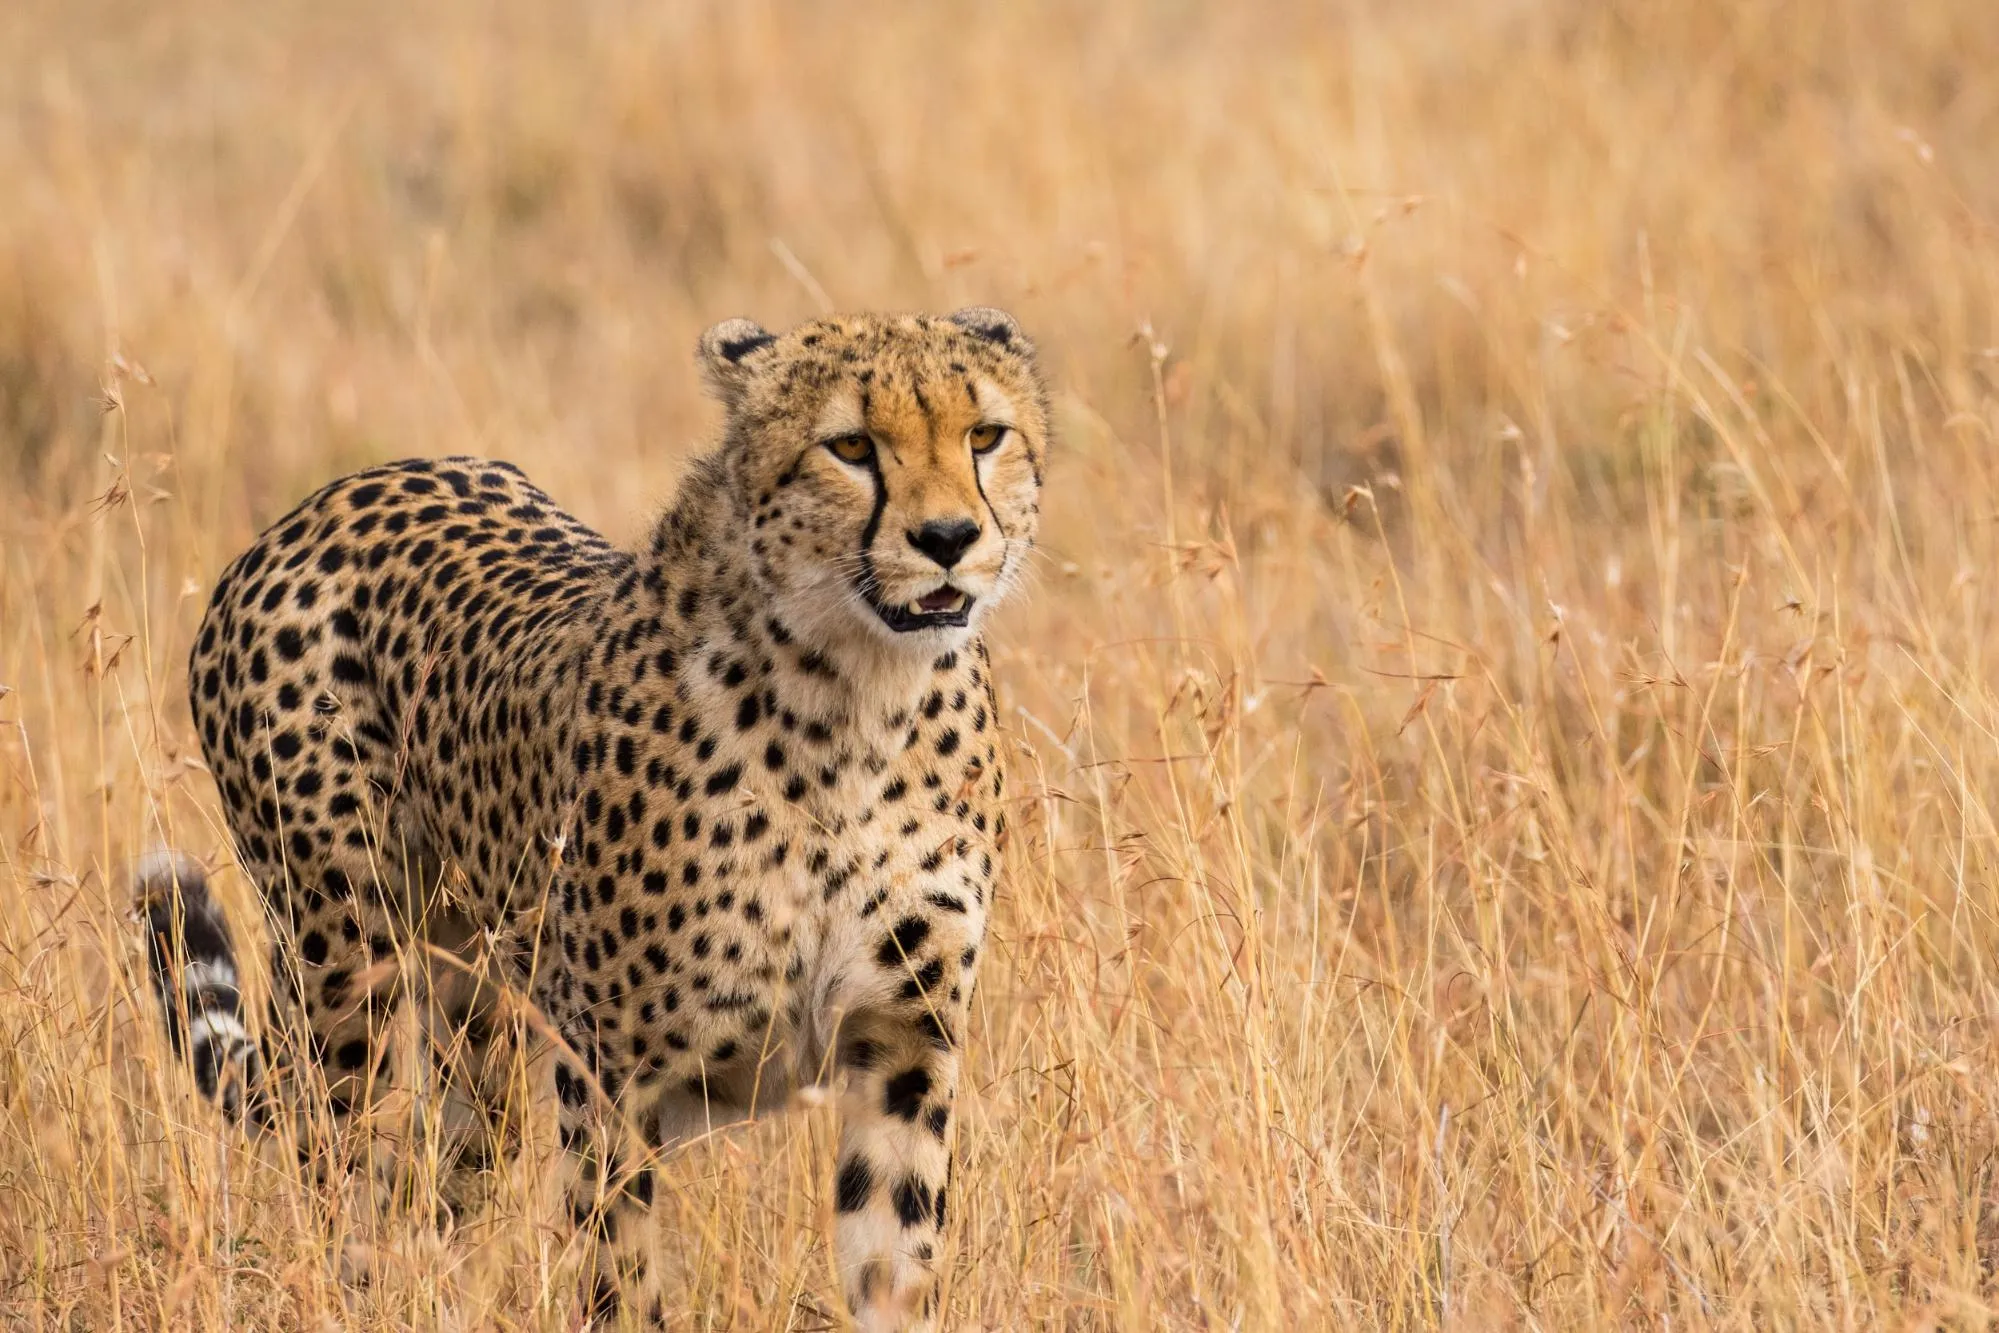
(888, 468)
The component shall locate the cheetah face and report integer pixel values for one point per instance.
(888, 467)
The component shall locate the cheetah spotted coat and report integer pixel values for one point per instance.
(727, 807)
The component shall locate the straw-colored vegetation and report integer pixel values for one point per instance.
(1504, 731)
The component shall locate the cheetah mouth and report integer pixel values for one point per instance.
(945, 608)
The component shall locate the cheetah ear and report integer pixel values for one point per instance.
(729, 354)
(994, 325)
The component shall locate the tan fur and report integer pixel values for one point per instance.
(736, 831)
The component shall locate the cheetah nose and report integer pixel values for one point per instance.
(945, 540)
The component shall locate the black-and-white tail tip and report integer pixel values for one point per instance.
(193, 963)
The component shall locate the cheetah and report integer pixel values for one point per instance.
(728, 807)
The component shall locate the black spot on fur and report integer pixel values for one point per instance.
(913, 1201)
(903, 1096)
(856, 1185)
(902, 942)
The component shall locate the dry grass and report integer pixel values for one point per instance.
(1505, 732)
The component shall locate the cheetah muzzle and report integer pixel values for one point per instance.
(727, 807)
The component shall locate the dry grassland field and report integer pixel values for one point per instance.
(1503, 732)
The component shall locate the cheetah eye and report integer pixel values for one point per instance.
(856, 449)
(986, 438)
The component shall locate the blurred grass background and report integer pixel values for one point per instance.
(1504, 729)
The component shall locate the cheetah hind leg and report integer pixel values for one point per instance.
(423, 1081)
(480, 1063)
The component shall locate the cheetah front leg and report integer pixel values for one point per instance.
(894, 1169)
(610, 1204)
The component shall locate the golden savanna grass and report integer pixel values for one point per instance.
(1504, 726)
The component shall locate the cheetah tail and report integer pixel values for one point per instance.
(193, 964)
